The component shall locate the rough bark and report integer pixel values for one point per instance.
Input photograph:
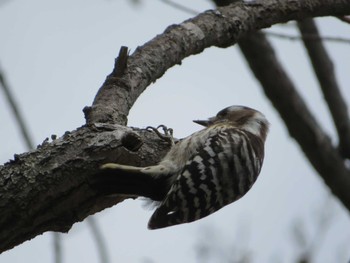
(221, 28)
(48, 188)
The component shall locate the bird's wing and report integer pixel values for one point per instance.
(219, 173)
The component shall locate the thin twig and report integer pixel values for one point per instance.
(308, 37)
(57, 245)
(99, 240)
(180, 7)
(16, 111)
(324, 70)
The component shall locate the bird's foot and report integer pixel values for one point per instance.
(167, 133)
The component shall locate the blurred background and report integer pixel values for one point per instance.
(56, 54)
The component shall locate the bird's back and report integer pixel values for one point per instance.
(223, 167)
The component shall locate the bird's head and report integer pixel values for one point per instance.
(242, 117)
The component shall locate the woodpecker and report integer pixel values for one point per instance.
(201, 173)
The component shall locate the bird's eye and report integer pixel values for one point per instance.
(222, 113)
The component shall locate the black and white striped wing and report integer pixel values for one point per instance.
(219, 173)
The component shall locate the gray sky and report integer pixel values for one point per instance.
(56, 55)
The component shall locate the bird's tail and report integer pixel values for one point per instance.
(129, 180)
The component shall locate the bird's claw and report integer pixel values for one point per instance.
(167, 133)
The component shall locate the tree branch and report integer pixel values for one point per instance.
(301, 124)
(30, 146)
(324, 70)
(99, 240)
(308, 37)
(48, 189)
(150, 61)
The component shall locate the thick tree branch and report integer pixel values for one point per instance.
(30, 146)
(149, 62)
(48, 189)
(57, 240)
(301, 124)
(324, 69)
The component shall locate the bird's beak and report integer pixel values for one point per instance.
(205, 123)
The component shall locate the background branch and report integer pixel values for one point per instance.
(30, 146)
(301, 125)
(99, 240)
(16, 112)
(308, 37)
(324, 70)
(57, 244)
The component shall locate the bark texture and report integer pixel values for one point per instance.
(221, 28)
(48, 189)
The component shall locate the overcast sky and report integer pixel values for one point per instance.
(56, 54)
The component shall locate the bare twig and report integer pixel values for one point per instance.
(99, 240)
(57, 245)
(121, 62)
(324, 70)
(16, 111)
(300, 122)
(180, 7)
(308, 37)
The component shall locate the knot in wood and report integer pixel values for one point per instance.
(131, 141)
